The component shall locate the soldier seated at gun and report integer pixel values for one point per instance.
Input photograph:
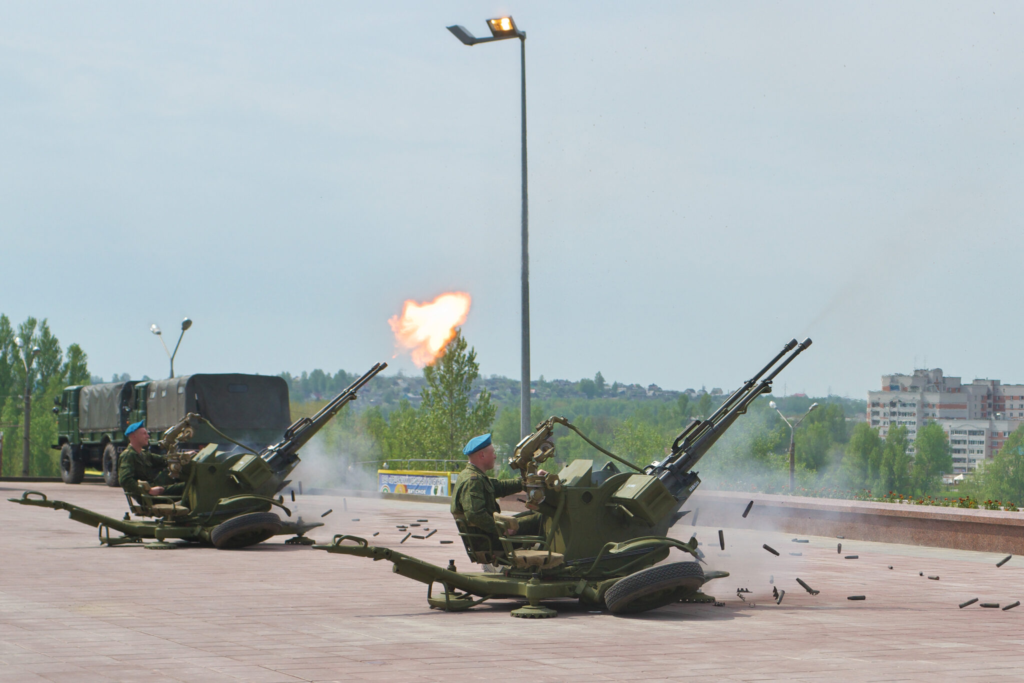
(475, 503)
(141, 471)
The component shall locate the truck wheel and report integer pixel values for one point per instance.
(245, 530)
(72, 470)
(110, 465)
(653, 587)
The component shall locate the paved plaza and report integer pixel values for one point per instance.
(71, 610)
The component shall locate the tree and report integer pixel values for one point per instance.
(932, 457)
(588, 387)
(704, 405)
(52, 370)
(638, 442)
(1002, 478)
(683, 407)
(599, 383)
(813, 442)
(863, 458)
(894, 474)
(449, 419)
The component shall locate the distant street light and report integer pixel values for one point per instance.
(27, 360)
(504, 28)
(792, 440)
(155, 329)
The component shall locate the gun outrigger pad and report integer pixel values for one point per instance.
(27, 496)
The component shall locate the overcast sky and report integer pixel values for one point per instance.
(707, 181)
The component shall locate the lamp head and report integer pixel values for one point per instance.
(185, 324)
(813, 406)
(18, 342)
(36, 350)
(155, 329)
(771, 404)
(503, 27)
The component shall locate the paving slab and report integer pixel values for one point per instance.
(71, 610)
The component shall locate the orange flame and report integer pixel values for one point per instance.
(425, 329)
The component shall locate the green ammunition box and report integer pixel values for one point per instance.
(251, 471)
(645, 497)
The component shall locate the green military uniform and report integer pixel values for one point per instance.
(475, 500)
(147, 466)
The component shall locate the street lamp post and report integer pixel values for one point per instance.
(792, 440)
(27, 359)
(504, 28)
(155, 329)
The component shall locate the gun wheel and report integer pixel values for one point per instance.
(654, 587)
(245, 530)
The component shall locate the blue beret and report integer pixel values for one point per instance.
(133, 426)
(477, 443)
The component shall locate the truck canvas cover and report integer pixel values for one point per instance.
(234, 403)
(99, 406)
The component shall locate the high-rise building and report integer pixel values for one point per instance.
(977, 417)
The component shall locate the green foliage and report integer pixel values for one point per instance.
(932, 457)
(588, 387)
(704, 404)
(445, 420)
(639, 442)
(51, 371)
(894, 474)
(863, 460)
(599, 383)
(1002, 478)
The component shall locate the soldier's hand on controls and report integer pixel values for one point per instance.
(542, 473)
(156, 491)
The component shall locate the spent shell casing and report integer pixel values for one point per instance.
(801, 540)
(355, 519)
(422, 520)
(797, 554)
(327, 513)
(747, 511)
(300, 488)
(840, 549)
(404, 538)
(431, 533)
(992, 605)
(419, 537)
(721, 538)
(782, 594)
(770, 549)
(969, 602)
(857, 597)
(807, 588)
(1003, 561)
(775, 592)
(696, 512)
(445, 542)
(771, 578)
(842, 537)
(414, 525)
(890, 566)
(852, 557)
(1012, 605)
(376, 533)
(293, 495)
(934, 578)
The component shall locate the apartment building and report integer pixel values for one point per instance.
(977, 417)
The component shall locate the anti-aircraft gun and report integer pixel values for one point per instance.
(229, 493)
(604, 531)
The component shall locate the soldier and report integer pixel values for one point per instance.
(475, 499)
(142, 471)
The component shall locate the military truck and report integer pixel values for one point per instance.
(91, 420)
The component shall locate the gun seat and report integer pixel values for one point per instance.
(536, 559)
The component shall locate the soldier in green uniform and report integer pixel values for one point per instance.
(139, 470)
(475, 500)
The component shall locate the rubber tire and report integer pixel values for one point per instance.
(72, 470)
(245, 530)
(110, 462)
(652, 587)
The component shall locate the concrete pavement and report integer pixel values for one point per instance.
(71, 610)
